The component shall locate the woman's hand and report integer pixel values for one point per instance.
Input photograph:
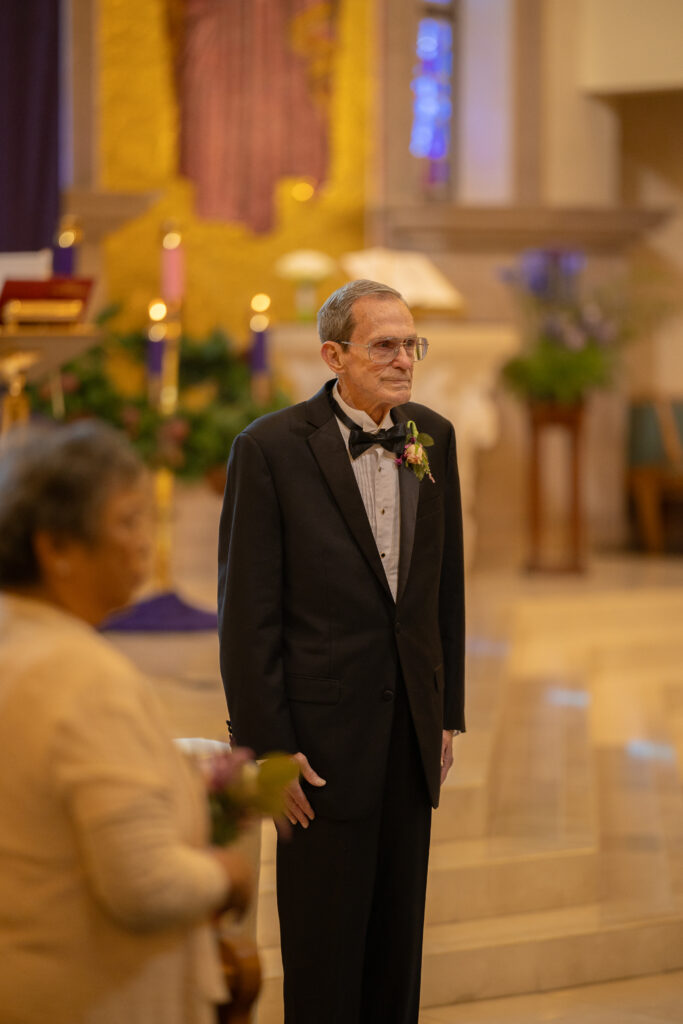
(240, 875)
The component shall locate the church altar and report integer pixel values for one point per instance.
(457, 379)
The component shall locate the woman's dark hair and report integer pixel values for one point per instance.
(57, 480)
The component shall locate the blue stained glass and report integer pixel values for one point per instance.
(432, 106)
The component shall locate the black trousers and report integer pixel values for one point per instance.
(351, 898)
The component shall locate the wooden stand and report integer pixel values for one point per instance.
(569, 418)
(242, 972)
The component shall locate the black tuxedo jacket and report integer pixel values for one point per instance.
(311, 639)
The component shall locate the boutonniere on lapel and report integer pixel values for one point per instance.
(414, 456)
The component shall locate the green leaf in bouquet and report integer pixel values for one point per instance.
(275, 774)
(225, 819)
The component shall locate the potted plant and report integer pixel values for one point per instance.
(571, 341)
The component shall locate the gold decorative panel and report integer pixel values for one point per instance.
(226, 263)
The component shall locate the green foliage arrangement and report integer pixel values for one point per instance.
(552, 373)
(215, 401)
(571, 343)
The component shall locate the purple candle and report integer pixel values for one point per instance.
(258, 355)
(63, 260)
(65, 247)
(155, 356)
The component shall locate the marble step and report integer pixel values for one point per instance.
(463, 808)
(546, 950)
(542, 783)
(464, 805)
(641, 828)
(524, 953)
(473, 879)
(482, 879)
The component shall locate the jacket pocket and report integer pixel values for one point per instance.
(314, 691)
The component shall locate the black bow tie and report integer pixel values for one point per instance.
(393, 439)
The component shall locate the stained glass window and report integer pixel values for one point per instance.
(432, 97)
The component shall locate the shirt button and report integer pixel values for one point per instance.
(382, 511)
(387, 695)
(382, 554)
(379, 469)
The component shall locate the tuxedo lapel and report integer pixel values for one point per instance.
(409, 490)
(332, 457)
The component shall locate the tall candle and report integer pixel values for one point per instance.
(172, 268)
(258, 358)
(65, 247)
(63, 260)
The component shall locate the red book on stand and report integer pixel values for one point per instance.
(58, 300)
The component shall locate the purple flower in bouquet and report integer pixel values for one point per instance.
(221, 770)
(238, 788)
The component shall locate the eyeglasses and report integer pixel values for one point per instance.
(385, 350)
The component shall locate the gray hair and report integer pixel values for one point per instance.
(335, 316)
(57, 480)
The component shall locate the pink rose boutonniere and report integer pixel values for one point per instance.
(414, 455)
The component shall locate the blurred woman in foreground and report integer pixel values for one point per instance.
(106, 878)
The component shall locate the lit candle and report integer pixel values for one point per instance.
(258, 358)
(156, 339)
(172, 267)
(65, 247)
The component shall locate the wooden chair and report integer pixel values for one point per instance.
(242, 972)
(656, 471)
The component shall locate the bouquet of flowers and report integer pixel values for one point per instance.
(571, 340)
(239, 788)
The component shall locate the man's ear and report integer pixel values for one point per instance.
(332, 353)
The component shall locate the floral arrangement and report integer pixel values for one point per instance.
(239, 788)
(414, 455)
(215, 399)
(572, 341)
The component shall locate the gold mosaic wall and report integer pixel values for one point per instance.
(226, 263)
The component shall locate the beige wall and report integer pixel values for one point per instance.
(485, 127)
(630, 45)
(652, 168)
(579, 135)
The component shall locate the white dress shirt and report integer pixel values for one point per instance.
(376, 474)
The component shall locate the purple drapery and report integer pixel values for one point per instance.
(29, 123)
(254, 83)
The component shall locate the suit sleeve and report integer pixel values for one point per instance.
(452, 599)
(250, 592)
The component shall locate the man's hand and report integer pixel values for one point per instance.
(297, 808)
(446, 753)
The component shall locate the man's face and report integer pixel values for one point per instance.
(376, 387)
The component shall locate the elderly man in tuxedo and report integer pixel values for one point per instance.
(341, 619)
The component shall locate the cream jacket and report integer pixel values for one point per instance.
(104, 885)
